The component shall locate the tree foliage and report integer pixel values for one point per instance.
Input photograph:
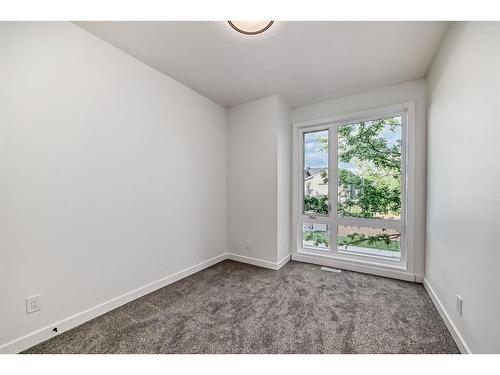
(375, 187)
(318, 238)
(316, 204)
(367, 196)
(384, 240)
(364, 142)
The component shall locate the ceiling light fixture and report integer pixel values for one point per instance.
(250, 27)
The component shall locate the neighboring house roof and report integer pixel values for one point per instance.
(311, 172)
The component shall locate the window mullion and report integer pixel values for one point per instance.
(333, 185)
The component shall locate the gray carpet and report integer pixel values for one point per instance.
(237, 308)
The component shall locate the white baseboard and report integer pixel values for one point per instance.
(459, 340)
(66, 324)
(284, 261)
(330, 262)
(258, 262)
(419, 278)
(63, 325)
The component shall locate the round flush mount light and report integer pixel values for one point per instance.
(250, 27)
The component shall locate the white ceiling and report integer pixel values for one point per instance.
(302, 61)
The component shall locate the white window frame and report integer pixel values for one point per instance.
(403, 268)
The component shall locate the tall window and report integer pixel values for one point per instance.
(353, 188)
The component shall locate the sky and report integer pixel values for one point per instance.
(314, 157)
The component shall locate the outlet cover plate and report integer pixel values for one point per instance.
(33, 303)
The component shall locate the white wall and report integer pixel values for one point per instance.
(257, 174)
(413, 91)
(113, 175)
(463, 224)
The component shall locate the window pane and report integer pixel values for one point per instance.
(316, 236)
(316, 173)
(369, 169)
(369, 241)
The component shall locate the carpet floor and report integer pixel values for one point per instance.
(238, 308)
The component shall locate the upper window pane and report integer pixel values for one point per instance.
(316, 173)
(369, 169)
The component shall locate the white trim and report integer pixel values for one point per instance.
(351, 266)
(66, 324)
(355, 258)
(45, 333)
(410, 186)
(284, 261)
(387, 110)
(258, 262)
(459, 340)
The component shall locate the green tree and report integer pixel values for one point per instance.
(364, 142)
(369, 177)
(317, 237)
(316, 205)
(375, 187)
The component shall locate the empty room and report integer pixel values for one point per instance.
(249, 187)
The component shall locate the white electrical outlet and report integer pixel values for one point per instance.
(248, 244)
(459, 305)
(33, 303)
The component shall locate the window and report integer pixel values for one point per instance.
(316, 173)
(352, 194)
